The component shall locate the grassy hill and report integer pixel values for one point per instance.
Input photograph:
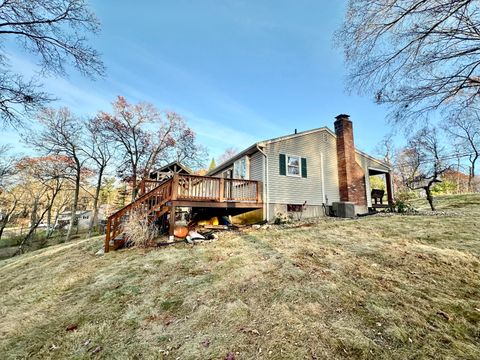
(375, 287)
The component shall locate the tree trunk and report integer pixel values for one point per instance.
(74, 206)
(94, 219)
(429, 197)
(7, 217)
(134, 185)
(3, 224)
(472, 173)
(34, 226)
(33, 215)
(49, 221)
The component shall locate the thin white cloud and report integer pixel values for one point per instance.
(84, 101)
(201, 86)
(217, 134)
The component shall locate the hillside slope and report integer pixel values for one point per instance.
(375, 287)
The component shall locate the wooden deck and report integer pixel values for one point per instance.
(160, 197)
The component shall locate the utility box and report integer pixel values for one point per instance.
(343, 209)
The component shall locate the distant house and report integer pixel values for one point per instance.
(167, 171)
(83, 217)
(309, 170)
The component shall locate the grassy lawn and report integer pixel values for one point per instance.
(10, 240)
(398, 287)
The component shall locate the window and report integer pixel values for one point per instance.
(240, 169)
(293, 165)
(227, 174)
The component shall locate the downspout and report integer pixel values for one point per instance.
(265, 182)
(324, 197)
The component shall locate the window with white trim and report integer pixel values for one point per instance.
(240, 168)
(293, 165)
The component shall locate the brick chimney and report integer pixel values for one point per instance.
(351, 177)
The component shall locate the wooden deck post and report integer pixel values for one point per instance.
(175, 186)
(388, 180)
(222, 189)
(107, 237)
(171, 227)
(259, 197)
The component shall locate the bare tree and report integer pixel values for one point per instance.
(62, 134)
(125, 127)
(227, 155)
(10, 202)
(7, 164)
(423, 162)
(99, 149)
(463, 127)
(186, 150)
(10, 198)
(145, 138)
(48, 175)
(414, 55)
(55, 31)
(386, 148)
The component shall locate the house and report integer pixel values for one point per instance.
(83, 217)
(167, 171)
(303, 172)
(309, 170)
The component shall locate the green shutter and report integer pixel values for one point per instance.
(304, 167)
(282, 165)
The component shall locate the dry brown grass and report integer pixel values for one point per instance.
(139, 232)
(399, 287)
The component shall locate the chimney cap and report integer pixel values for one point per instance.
(342, 117)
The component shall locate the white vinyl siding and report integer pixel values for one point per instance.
(256, 166)
(295, 190)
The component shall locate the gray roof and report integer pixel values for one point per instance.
(254, 148)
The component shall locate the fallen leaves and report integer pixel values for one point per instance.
(72, 327)
(443, 314)
(230, 356)
(205, 343)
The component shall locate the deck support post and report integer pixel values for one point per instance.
(171, 227)
(174, 190)
(107, 237)
(388, 180)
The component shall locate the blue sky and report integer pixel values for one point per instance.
(238, 71)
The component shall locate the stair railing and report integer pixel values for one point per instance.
(145, 205)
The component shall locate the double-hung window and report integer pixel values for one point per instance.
(293, 165)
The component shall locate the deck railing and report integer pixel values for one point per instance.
(156, 195)
(145, 205)
(207, 188)
(147, 185)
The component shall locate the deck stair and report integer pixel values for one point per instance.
(158, 198)
(146, 205)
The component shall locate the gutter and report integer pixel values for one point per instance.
(265, 182)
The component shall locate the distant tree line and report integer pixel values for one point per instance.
(76, 158)
(77, 163)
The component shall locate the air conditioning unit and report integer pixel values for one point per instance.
(343, 209)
